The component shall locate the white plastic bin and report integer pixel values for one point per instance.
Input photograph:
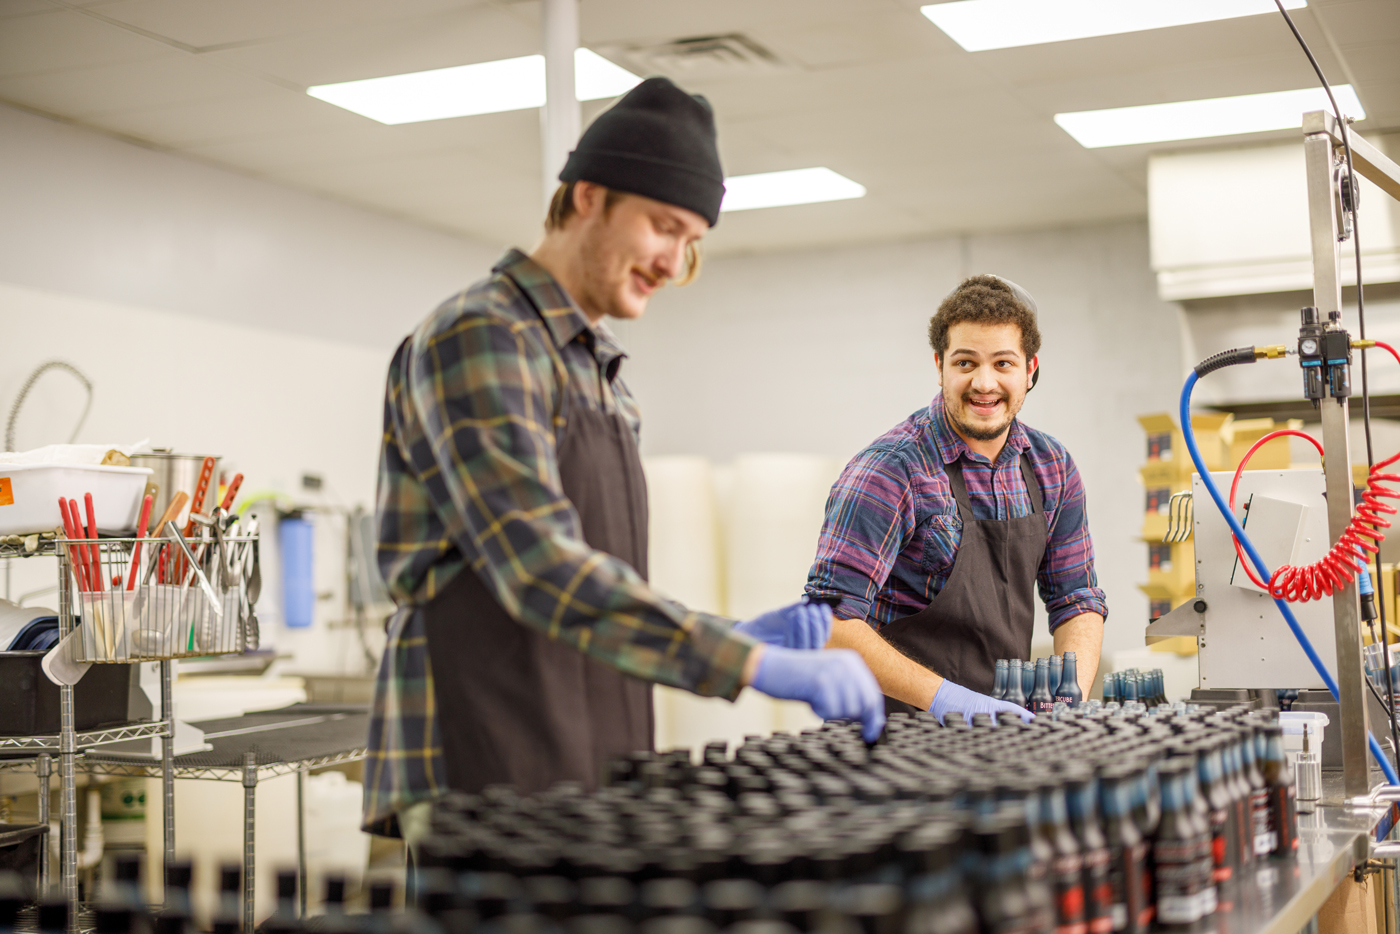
(1295, 722)
(29, 496)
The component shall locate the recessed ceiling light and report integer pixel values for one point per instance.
(793, 186)
(1218, 116)
(467, 90)
(978, 25)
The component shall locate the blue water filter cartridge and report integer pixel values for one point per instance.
(297, 538)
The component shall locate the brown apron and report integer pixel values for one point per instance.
(986, 610)
(513, 705)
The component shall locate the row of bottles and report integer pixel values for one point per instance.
(1130, 819)
(1144, 687)
(1039, 686)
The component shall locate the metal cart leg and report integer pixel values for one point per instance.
(68, 801)
(301, 840)
(250, 793)
(167, 768)
(43, 768)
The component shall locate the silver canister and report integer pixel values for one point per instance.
(1307, 769)
(173, 473)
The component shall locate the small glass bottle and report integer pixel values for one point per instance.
(1068, 690)
(1041, 700)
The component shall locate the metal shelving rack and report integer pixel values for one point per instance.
(69, 744)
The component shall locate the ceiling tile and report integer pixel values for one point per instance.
(66, 39)
(169, 79)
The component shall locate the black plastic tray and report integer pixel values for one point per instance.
(29, 704)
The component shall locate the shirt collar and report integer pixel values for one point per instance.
(951, 446)
(562, 316)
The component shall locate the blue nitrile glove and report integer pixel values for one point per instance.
(950, 697)
(834, 681)
(799, 626)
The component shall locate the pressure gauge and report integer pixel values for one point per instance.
(1308, 346)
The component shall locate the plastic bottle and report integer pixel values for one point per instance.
(999, 685)
(1014, 694)
(1283, 804)
(1176, 881)
(1041, 700)
(1068, 690)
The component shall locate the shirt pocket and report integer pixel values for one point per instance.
(941, 535)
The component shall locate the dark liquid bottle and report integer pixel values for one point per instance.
(1068, 691)
(1110, 688)
(1283, 803)
(1027, 678)
(1205, 852)
(1082, 796)
(1057, 668)
(176, 918)
(1066, 865)
(14, 895)
(999, 685)
(1127, 850)
(939, 900)
(1176, 880)
(1014, 694)
(1225, 842)
(998, 872)
(1238, 787)
(1258, 791)
(1041, 700)
(227, 918)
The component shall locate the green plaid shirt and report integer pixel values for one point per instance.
(468, 478)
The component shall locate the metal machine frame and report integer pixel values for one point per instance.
(1323, 149)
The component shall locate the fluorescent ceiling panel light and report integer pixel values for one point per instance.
(794, 186)
(467, 90)
(1219, 116)
(978, 25)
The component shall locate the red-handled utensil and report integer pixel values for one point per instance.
(141, 527)
(82, 535)
(201, 490)
(94, 550)
(231, 492)
(76, 561)
(172, 512)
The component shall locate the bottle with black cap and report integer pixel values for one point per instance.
(14, 896)
(1082, 797)
(1127, 850)
(227, 918)
(177, 915)
(1283, 802)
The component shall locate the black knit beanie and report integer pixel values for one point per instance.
(659, 142)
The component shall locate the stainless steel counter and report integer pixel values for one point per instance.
(1282, 896)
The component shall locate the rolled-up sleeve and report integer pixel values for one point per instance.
(869, 518)
(485, 397)
(1067, 581)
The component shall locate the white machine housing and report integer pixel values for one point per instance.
(1244, 641)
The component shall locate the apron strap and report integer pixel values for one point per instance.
(1032, 484)
(959, 486)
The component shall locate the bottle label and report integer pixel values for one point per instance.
(1259, 804)
(1042, 706)
(1221, 871)
(1208, 900)
(1097, 891)
(1177, 881)
(1177, 909)
(1069, 894)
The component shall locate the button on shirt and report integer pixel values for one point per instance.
(469, 483)
(892, 528)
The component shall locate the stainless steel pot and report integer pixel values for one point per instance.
(174, 472)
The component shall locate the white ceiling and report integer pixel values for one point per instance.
(944, 140)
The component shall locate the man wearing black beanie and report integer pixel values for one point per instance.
(512, 514)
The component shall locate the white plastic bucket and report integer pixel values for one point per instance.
(29, 496)
(1295, 722)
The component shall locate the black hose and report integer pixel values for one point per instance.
(1225, 358)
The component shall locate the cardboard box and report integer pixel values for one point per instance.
(1273, 456)
(1172, 566)
(1168, 461)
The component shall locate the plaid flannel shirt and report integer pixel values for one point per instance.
(892, 526)
(469, 483)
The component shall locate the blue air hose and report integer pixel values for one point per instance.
(1259, 565)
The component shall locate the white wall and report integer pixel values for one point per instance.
(85, 214)
(821, 351)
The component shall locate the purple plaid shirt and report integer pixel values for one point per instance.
(892, 528)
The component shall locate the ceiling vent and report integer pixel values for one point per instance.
(699, 57)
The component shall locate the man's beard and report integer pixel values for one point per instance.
(984, 434)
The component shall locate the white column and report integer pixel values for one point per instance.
(560, 118)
